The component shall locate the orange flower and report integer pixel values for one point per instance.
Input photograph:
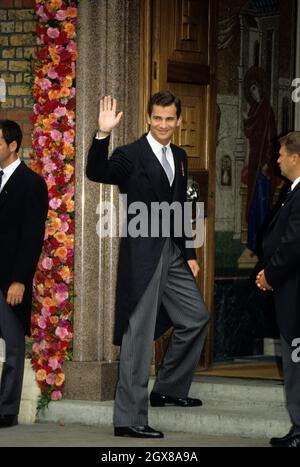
(72, 12)
(60, 237)
(47, 302)
(69, 29)
(68, 81)
(53, 4)
(52, 214)
(49, 283)
(70, 241)
(61, 252)
(41, 375)
(54, 319)
(64, 92)
(68, 149)
(53, 95)
(59, 379)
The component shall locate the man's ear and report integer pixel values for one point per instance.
(148, 119)
(13, 146)
(179, 121)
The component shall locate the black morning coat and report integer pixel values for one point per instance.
(23, 212)
(139, 175)
(281, 248)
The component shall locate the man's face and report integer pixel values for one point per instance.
(163, 122)
(287, 163)
(7, 152)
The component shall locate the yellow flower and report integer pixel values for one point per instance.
(65, 273)
(69, 170)
(70, 206)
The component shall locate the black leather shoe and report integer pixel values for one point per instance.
(290, 440)
(138, 432)
(8, 420)
(160, 400)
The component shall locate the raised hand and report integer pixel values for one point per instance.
(108, 117)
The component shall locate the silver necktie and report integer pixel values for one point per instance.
(166, 165)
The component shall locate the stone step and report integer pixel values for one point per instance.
(208, 420)
(230, 407)
(238, 391)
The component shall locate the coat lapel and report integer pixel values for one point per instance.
(13, 183)
(179, 174)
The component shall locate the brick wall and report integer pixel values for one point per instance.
(16, 46)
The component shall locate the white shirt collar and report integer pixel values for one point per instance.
(155, 145)
(8, 171)
(295, 183)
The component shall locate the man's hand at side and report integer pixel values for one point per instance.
(194, 266)
(261, 282)
(15, 293)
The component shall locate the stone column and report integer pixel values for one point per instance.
(108, 63)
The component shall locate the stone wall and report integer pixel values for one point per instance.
(17, 24)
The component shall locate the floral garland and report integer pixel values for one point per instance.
(53, 158)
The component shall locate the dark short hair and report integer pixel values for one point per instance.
(11, 132)
(292, 142)
(164, 99)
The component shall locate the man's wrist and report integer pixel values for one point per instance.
(104, 132)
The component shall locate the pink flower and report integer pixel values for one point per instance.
(61, 15)
(68, 137)
(60, 111)
(56, 135)
(71, 47)
(64, 227)
(45, 84)
(47, 263)
(61, 332)
(55, 203)
(53, 33)
(52, 74)
(50, 380)
(56, 395)
(42, 140)
(53, 363)
(42, 323)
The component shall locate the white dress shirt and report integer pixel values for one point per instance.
(8, 171)
(295, 183)
(157, 149)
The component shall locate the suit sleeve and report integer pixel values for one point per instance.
(100, 168)
(32, 231)
(189, 253)
(287, 255)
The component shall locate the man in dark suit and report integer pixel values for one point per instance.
(156, 286)
(23, 212)
(281, 275)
